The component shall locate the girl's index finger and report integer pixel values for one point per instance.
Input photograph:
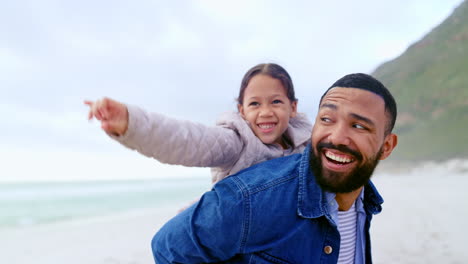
(90, 104)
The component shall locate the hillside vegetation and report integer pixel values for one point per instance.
(430, 83)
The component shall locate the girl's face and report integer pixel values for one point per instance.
(267, 109)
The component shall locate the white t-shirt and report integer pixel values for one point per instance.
(347, 228)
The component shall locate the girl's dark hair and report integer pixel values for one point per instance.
(274, 71)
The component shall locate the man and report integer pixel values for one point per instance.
(314, 207)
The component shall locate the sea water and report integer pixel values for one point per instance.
(44, 202)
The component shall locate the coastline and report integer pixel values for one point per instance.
(396, 168)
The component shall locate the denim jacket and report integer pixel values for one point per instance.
(273, 212)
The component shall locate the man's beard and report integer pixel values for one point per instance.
(342, 182)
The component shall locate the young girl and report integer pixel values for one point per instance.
(266, 126)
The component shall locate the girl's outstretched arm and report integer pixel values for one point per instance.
(180, 142)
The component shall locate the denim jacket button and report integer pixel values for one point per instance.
(328, 250)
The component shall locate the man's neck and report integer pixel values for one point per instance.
(346, 200)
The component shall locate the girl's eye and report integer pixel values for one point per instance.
(325, 119)
(277, 101)
(254, 104)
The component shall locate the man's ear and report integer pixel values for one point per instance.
(389, 144)
(240, 108)
(294, 109)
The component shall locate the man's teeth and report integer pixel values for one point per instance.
(340, 159)
(266, 126)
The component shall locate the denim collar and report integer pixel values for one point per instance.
(312, 201)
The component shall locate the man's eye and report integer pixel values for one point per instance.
(325, 119)
(277, 101)
(359, 126)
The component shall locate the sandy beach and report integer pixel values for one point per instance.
(117, 239)
(422, 222)
(423, 218)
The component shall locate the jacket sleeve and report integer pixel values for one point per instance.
(180, 142)
(213, 230)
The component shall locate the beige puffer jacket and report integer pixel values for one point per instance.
(227, 148)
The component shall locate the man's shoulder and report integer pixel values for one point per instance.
(266, 174)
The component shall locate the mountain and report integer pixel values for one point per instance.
(430, 84)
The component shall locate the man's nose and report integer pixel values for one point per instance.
(339, 135)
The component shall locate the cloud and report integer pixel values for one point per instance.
(25, 164)
(183, 59)
(12, 64)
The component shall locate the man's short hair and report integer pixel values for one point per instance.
(366, 82)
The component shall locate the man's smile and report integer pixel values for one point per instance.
(337, 157)
(337, 161)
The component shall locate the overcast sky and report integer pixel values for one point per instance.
(181, 58)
